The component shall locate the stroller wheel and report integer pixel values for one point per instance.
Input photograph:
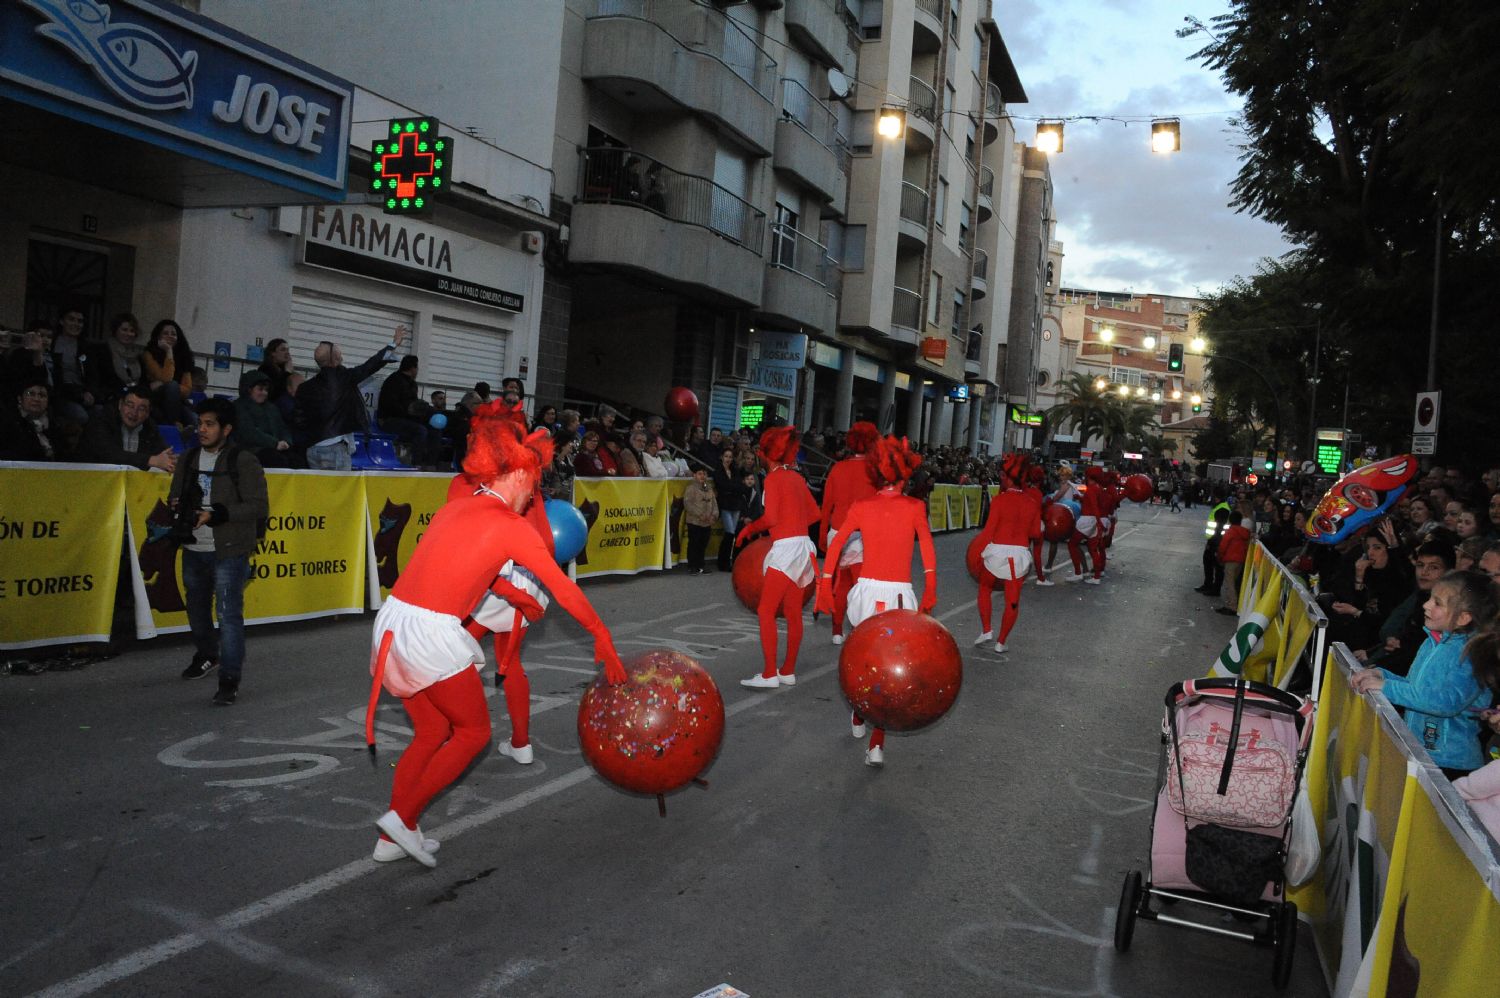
(1130, 899)
(1285, 942)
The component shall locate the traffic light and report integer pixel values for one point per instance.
(1197, 406)
(1174, 358)
(1271, 461)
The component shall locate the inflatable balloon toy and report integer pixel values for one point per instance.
(973, 559)
(438, 421)
(681, 405)
(1057, 521)
(900, 670)
(748, 576)
(1361, 496)
(1139, 488)
(657, 731)
(569, 530)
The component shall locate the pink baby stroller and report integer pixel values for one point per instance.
(1232, 757)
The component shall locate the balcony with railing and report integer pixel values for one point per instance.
(634, 213)
(980, 286)
(820, 26)
(801, 280)
(906, 316)
(928, 25)
(644, 53)
(994, 107)
(921, 115)
(912, 224)
(809, 146)
(973, 351)
(986, 194)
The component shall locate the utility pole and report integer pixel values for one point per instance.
(1312, 406)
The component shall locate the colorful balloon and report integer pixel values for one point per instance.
(1359, 497)
(438, 421)
(681, 405)
(900, 670)
(1139, 488)
(749, 576)
(569, 530)
(656, 731)
(973, 559)
(1057, 521)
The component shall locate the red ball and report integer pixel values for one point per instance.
(901, 670)
(1139, 488)
(657, 730)
(973, 559)
(681, 405)
(749, 576)
(1057, 522)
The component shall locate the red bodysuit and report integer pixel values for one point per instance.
(848, 482)
(790, 512)
(1015, 526)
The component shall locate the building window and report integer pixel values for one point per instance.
(950, 97)
(953, 9)
(935, 298)
(784, 238)
(977, 62)
(970, 134)
(964, 217)
(958, 311)
(942, 201)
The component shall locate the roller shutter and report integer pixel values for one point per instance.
(359, 328)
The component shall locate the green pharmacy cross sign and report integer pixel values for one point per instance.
(409, 166)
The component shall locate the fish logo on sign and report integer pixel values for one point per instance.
(135, 62)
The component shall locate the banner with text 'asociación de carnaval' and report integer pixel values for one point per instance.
(627, 525)
(937, 508)
(60, 535)
(400, 507)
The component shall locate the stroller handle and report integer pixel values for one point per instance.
(1278, 697)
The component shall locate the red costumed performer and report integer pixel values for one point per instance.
(890, 523)
(1067, 491)
(421, 651)
(498, 615)
(1090, 526)
(1036, 480)
(848, 482)
(790, 566)
(1014, 525)
(1114, 494)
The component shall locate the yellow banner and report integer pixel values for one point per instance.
(60, 532)
(1256, 630)
(310, 564)
(628, 525)
(972, 499)
(399, 507)
(937, 508)
(955, 497)
(1297, 627)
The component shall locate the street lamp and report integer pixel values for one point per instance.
(1049, 136)
(1124, 391)
(1100, 384)
(1149, 342)
(1140, 391)
(891, 123)
(1166, 135)
(1199, 344)
(1106, 334)
(1176, 394)
(1156, 396)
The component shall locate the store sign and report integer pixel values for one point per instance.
(773, 380)
(769, 348)
(365, 241)
(159, 73)
(1018, 414)
(410, 165)
(935, 348)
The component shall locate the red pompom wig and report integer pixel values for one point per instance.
(499, 444)
(892, 461)
(779, 446)
(1093, 473)
(860, 436)
(1036, 474)
(1013, 467)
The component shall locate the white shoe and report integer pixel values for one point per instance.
(856, 726)
(984, 638)
(787, 679)
(387, 851)
(1045, 582)
(1093, 580)
(1000, 648)
(761, 682)
(409, 841)
(838, 639)
(874, 757)
(1072, 578)
(523, 755)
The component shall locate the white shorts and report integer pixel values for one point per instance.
(794, 558)
(1088, 526)
(871, 596)
(853, 552)
(499, 616)
(1006, 562)
(426, 647)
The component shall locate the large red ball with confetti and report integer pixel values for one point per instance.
(974, 557)
(657, 730)
(1057, 522)
(681, 405)
(749, 576)
(901, 670)
(1139, 488)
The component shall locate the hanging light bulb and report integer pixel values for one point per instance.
(1049, 136)
(1166, 135)
(891, 123)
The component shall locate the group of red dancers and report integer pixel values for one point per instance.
(485, 566)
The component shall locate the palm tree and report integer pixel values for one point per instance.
(1081, 406)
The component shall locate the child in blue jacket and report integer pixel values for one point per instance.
(1441, 694)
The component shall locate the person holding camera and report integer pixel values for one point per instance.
(219, 494)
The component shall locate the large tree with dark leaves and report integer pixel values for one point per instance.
(1370, 130)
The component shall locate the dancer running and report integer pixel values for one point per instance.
(1013, 526)
(791, 564)
(1036, 480)
(1089, 530)
(421, 651)
(848, 482)
(890, 523)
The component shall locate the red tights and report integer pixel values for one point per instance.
(451, 721)
(1012, 604)
(516, 686)
(1096, 550)
(843, 581)
(1076, 542)
(1036, 559)
(779, 595)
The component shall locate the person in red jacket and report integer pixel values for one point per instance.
(421, 651)
(1013, 527)
(791, 564)
(497, 615)
(848, 482)
(1036, 479)
(1233, 547)
(890, 524)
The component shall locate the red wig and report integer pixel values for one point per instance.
(499, 444)
(779, 445)
(860, 436)
(892, 461)
(1093, 473)
(1013, 467)
(1036, 474)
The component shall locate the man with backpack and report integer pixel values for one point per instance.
(219, 493)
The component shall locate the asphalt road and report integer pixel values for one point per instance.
(155, 845)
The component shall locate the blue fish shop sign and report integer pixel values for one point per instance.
(170, 77)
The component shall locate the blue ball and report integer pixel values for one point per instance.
(1076, 507)
(438, 421)
(569, 531)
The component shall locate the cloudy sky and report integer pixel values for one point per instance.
(1128, 219)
